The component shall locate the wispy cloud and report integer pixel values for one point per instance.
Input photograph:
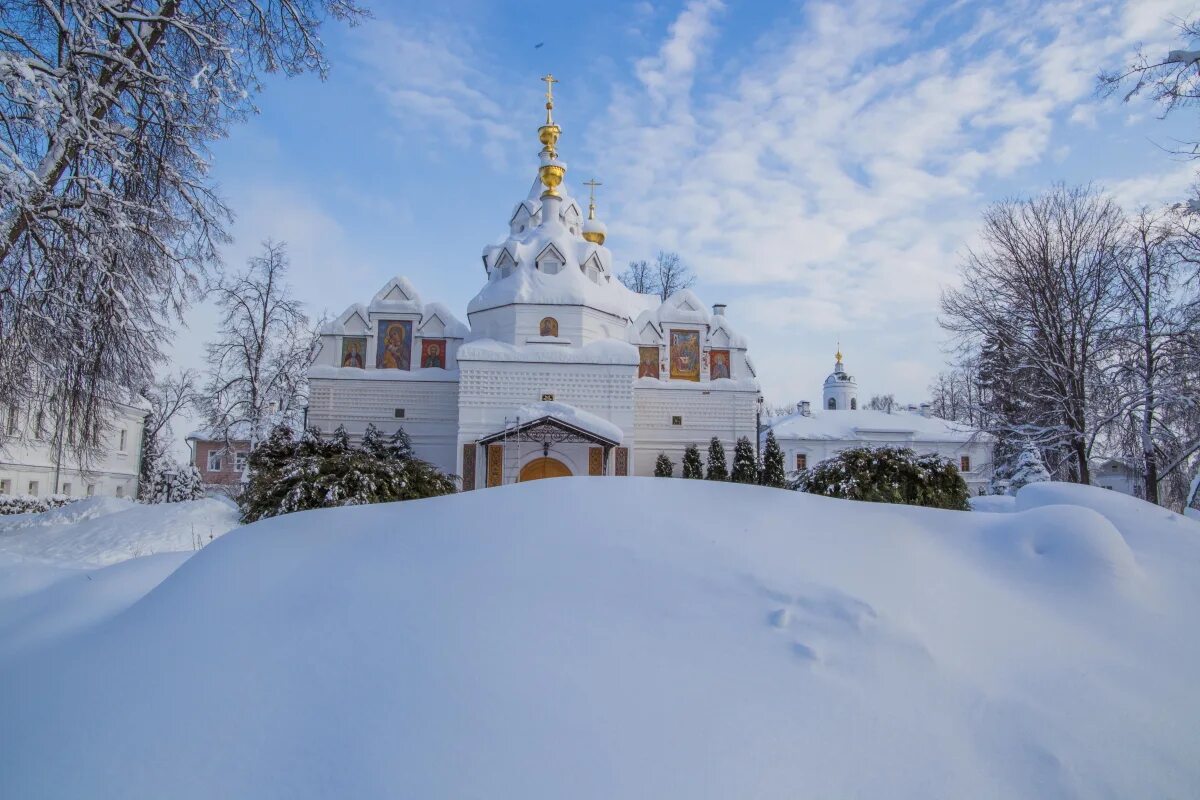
(434, 84)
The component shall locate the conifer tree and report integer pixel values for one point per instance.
(717, 468)
(745, 470)
(663, 468)
(693, 467)
(773, 471)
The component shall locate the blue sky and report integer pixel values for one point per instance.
(820, 165)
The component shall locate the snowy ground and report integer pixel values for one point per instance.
(601, 638)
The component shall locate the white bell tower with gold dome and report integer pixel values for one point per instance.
(841, 390)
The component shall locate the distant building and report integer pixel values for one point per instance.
(34, 462)
(1121, 475)
(220, 462)
(809, 436)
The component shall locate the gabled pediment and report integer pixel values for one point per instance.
(550, 253)
(397, 294)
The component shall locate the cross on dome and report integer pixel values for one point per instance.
(550, 81)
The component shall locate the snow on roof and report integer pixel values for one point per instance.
(337, 327)
(564, 412)
(455, 328)
(862, 424)
(397, 297)
(604, 351)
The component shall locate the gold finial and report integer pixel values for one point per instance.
(550, 81)
(551, 172)
(839, 353)
(592, 184)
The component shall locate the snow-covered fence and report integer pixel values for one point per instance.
(28, 504)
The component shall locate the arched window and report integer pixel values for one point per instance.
(832, 404)
(853, 403)
(548, 327)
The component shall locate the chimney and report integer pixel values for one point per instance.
(925, 409)
(718, 309)
(804, 407)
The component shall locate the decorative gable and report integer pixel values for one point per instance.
(397, 296)
(550, 260)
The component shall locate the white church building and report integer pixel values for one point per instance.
(808, 437)
(558, 369)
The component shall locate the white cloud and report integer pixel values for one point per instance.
(436, 84)
(833, 179)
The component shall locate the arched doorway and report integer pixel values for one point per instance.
(544, 468)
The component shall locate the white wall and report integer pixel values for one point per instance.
(817, 450)
(114, 473)
(706, 412)
(430, 412)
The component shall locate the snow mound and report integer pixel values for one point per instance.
(1132, 517)
(105, 530)
(994, 503)
(632, 638)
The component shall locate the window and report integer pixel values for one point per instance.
(548, 327)
(239, 461)
(853, 403)
(5, 486)
(39, 426)
(123, 440)
(964, 464)
(832, 404)
(214, 460)
(66, 489)
(120, 491)
(33, 488)
(801, 461)
(91, 490)
(12, 422)
(676, 420)
(547, 398)
(398, 413)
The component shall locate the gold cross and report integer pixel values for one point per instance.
(550, 81)
(593, 183)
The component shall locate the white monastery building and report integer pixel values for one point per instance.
(808, 436)
(34, 462)
(558, 370)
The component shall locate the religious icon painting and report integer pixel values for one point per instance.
(394, 349)
(647, 362)
(354, 350)
(718, 364)
(548, 327)
(685, 355)
(433, 353)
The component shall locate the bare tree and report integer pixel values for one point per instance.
(882, 402)
(1046, 280)
(640, 278)
(168, 398)
(666, 276)
(257, 368)
(108, 216)
(673, 275)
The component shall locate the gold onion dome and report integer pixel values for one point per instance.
(551, 170)
(594, 230)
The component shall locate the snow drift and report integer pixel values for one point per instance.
(604, 638)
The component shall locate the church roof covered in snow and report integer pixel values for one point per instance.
(867, 424)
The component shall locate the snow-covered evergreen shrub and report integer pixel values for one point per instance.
(773, 473)
(173, 483)
(745, 467)
(28, 504)
(693, 467)
(716, 470)
(1028, 468)
(287, 475)
(663, 468)
(888, 475)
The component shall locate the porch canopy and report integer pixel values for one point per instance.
(549, 423)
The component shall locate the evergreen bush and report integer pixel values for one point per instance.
(888, 475)
(289, 475)
(745, 468)
(28, 504)
(663, 468)
(693, 467)
(773, 473)
(1029, 467)
(717, 469)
